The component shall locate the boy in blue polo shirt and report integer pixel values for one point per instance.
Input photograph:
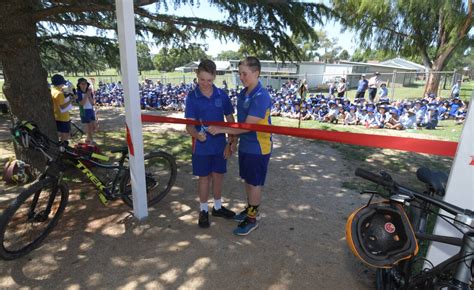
(208, 103)
(255, 148)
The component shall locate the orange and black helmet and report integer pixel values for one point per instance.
(381, 235)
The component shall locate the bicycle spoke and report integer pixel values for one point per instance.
(26, 226)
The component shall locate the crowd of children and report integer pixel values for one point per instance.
(398, 115)
(425, 112)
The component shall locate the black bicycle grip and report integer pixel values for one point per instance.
(373, 177)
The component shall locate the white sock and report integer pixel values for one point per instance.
(217, 204)
(203, 207)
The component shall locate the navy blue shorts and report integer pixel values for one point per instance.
(203, 165)
(63, 127)
(253, 168)
(87, 116)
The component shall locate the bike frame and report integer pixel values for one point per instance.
(462, 261)
(104, 193)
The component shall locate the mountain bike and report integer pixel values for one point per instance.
(456, 272)
(31, 216)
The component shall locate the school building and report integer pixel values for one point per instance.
(318, 75)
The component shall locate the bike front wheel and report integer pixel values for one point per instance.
(388, 279)
(31, 217)
(160, 176)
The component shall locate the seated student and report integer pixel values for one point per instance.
(381, 116)
(331, 116)
(454, 107)
(408, 119)
(296, 110)
(286, 110)
(350, 117)
(420, 113)
(393, 121)
(306, 113)
(460, 116)
(370, 120)
(431, 119)
(361, 115)
(276, 109)
(341, 114)
(347, 104)
(443, 111)
(317, 112)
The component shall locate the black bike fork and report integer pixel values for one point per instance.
(43, 215)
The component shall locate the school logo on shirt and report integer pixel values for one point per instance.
(218, 102)
(246, 104)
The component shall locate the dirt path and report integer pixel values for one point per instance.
(299, 245)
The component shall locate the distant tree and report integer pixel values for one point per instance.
(327, 47)
(432, 29)
(364, 55)
(168, 59)
(344, 55)
(144, 58)
(229, 55)
(260, 52)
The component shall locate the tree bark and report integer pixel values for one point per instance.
(25, 86)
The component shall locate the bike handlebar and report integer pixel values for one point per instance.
(395, 188)
(381, 180)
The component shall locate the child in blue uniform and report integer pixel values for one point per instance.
(255, 148)
(208, 103)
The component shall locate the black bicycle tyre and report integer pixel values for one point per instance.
(173, 172)
(11, 210)
(383, 279)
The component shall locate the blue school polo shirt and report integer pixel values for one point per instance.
(200, 107)
(257, 104)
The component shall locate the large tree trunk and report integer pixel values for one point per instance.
(432, 84)
(25, 87)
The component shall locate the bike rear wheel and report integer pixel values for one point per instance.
(31, 217)
(160, 176)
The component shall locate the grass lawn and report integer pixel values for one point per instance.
(447, 129)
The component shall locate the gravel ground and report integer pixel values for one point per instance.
(300, 243)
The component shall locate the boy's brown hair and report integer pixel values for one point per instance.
(208, 66)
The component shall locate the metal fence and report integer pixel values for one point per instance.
(401, 85)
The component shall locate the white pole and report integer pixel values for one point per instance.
(129, 67)
(460, 189)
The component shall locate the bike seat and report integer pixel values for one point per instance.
(122, 150)
(435, 179)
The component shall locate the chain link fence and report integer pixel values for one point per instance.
(400, 85)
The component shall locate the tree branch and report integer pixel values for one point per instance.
(84, 6)
(382, 26)
(79, 23)
(468, 23)
(196, 22)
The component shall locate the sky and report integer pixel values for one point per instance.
(344, 40)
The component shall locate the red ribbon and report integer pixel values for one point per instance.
(435, 147)
(129, 142)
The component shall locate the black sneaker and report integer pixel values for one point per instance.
(223, 212)
(203, 219)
